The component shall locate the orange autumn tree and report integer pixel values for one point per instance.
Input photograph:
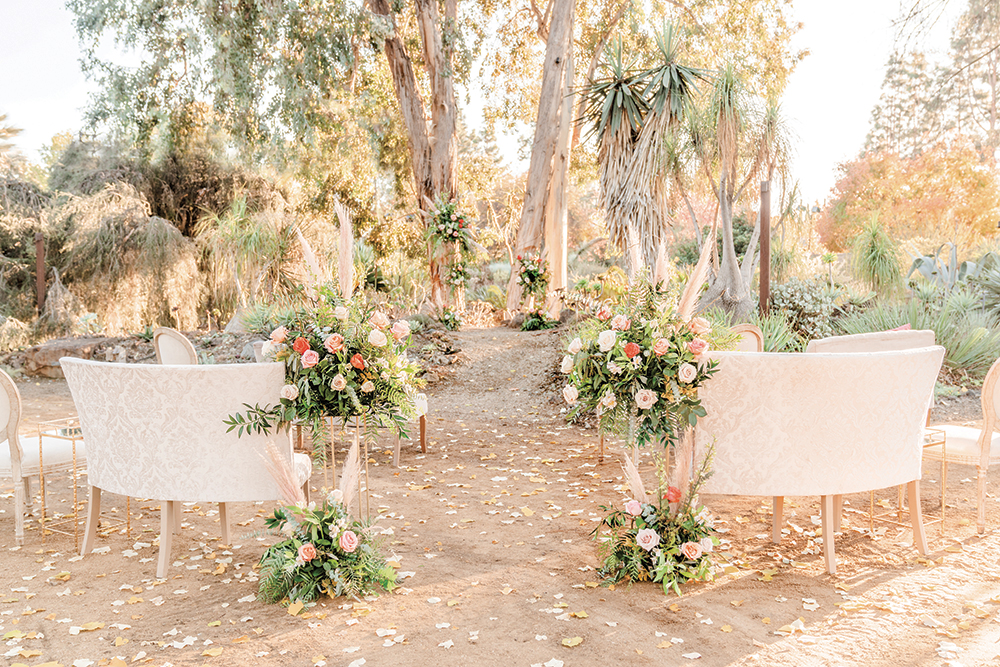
(943, 192)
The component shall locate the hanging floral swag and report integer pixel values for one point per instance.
(532, 276)
(451, 237)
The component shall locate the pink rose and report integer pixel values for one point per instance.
(334, 343)
(348, 541)
(661, 346)
(338, 383)
(699, 326)
(633, 507)
(621, 323)
(290, 392)
(647, 538)
(645, 398)
(279, 335)
(301, 345)
(570, 393)
(379, 320)
(673, 494)
(400, 330)
(697, 347)
(310, 358)
(687, 373)
(691, 550)
(307, 552)
(631, 349)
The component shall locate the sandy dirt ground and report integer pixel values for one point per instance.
(492, 531)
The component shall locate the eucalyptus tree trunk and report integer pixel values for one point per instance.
(547, 130)
(432, 151)
(556, 223)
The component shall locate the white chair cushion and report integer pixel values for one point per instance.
(57, 454)
(961, 444)
(303, 467)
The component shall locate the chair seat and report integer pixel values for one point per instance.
(962, 445)
(57, 455)
(303, 466)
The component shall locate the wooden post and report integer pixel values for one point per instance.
(40, 271)
(765, 247)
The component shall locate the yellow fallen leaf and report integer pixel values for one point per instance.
(452, 603)
(213, 652)
(579, 614)
(507, 591)
(241, 640)
(62, 576)
(736, 603)
(767, 575)
(527, 511)
(120, 641)
(591, 584)
(295, 608)
(318, 658)
(116, 662)
(29, 653)
(954, 549)
(572, 641)
(964, 625)
(726, 628)
(90, 627)
(414, 487)
(394, 564)
(664, 644)
(214, 624)
(135, 599)
(674, 607)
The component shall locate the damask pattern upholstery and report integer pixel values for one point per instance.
(157, 431)
(816, 424)
(876, 341)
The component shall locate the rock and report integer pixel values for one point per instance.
(43, 360)
(516, 321)
(236, 324)
(567, 315)
(248, 351)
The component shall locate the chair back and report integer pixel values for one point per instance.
(173, 348)
(10, 417)
(751, 338)
(816, 424)
(158, 432)
(990, 400)
(877, 341)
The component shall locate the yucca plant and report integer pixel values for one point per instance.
(875, 258)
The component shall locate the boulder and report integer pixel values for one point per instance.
(43, 360)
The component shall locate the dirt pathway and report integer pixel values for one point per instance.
(492, 530)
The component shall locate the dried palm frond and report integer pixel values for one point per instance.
(350, 477)
(284, 476)
(681, 474)
(345, 267)
(314, 274)
(634, 481)
(685, 307)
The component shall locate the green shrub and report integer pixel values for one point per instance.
(875, 258)
(779, 336)
(808, 306)
(687, 253)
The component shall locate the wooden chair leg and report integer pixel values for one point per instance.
(395, 454)
(980, 503)
(826, 503)
(227, 534)
(838, 512)
(423, 434)
(916, 516)
(778, 505)
(177, 514)
(93, 518)
(19, 509)
(28, 500)
(305, 490)
(168, 510)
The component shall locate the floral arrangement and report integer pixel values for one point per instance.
(537, 320)
(450, 319)
(640, 371)
(532, 276)
(450, 236)
(325, 552)
(667, 539)
(458, 275)
(343, 360)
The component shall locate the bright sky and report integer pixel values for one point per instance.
(829, 97)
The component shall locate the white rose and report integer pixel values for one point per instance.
(340, 313)
(335, 496)
(266, 349)
(368, 387)
(379, 319)
(645, 398)
(614, 368)
(570, 393)
(706, 544)
(606, 340)
(609, 400)
(420, 404)
(647, 538)
(338, 383)
(290, 391)
(575, 346)
(567, 364)
(377, 338)
(687, 373)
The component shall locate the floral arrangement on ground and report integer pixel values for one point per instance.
(532, 276)
(666, 539)
(343, 360)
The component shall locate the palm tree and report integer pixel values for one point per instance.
(8, 153)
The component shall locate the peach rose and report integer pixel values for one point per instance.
(691, 550)
(368, 386)
(621, 323)
(604, 314)
(340, 313)
(575, 346)
(310, 358)
(687, 373)
(571, 394)
(307, 552)
(645, 398)
(338, 383)
(631, 349)
(348, 541)
(698, 347)
(633, 507)
(290, 392)
(400, 330)
(377, 338)
(673, 494)
(379, 320)
(358, 362)
(301, 345)
(647, 538)
(567, 364)
(661, 346)
(334, 343)
(699, 326)
(279, 335)
(606, 340)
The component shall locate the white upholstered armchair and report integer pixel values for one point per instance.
(157, 432)
(819, 425)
